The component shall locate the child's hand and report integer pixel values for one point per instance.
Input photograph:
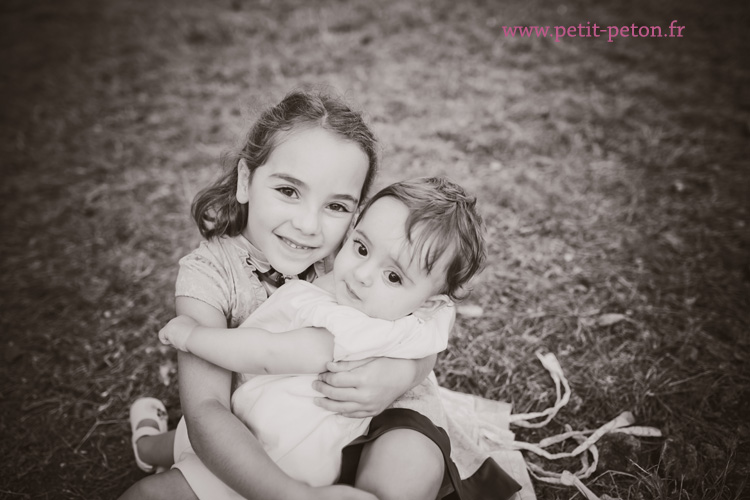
(363, 388)
(177, 331)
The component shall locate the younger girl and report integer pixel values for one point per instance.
(284, 207)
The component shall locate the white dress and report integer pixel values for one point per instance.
(304, 439)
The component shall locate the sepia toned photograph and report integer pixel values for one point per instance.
(394, 250)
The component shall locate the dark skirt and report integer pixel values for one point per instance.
(489, 482)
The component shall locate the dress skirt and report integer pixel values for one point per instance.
(489, 482)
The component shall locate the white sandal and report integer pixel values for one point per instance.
(147, 409)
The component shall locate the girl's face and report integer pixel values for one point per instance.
(377, 271)
(301, 202)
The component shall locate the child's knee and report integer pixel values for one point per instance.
(163, 486)
(389, 465)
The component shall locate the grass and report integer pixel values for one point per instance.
(613, 178)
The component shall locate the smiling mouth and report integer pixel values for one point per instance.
(294, 245)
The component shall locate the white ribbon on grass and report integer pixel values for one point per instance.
(586, 439)
(549, 361)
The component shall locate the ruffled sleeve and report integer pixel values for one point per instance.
(202, 276)
(221, 275)
(358, 336)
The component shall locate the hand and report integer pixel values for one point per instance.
(177, 331)
(364, 388)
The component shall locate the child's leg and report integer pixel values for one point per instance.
(389, 465)
(162, 486)
(156, 450)
(152, 444)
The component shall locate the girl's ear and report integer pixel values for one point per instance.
(431, 305)
(243, 181)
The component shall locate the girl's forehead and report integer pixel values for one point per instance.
(318, 159)
(310, 139)
(388, 210)
(384, 225)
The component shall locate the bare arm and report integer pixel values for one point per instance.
(357, 389)
(423, 368)
(252, 350)
(219, 438)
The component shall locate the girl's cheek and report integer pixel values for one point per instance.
(338, 230)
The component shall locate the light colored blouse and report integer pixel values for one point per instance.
(220, 272)
(306, 440)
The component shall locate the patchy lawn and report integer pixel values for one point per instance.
(613, 177)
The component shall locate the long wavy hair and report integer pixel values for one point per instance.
(216, 209)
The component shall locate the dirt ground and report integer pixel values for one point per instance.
(613, 177)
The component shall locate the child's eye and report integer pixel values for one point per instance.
(338, 207)
(287, 191)
(360, 248)
(394, 278)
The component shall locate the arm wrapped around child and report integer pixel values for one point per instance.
(320, 331)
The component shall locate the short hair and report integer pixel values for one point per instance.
(216, 209)
(444, 218)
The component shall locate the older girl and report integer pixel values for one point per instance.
(282, 209)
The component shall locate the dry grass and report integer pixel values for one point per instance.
(613, 177)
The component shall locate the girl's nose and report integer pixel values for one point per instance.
(306, 221)
(363, 274)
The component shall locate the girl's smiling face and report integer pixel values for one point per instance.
(301, 201)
